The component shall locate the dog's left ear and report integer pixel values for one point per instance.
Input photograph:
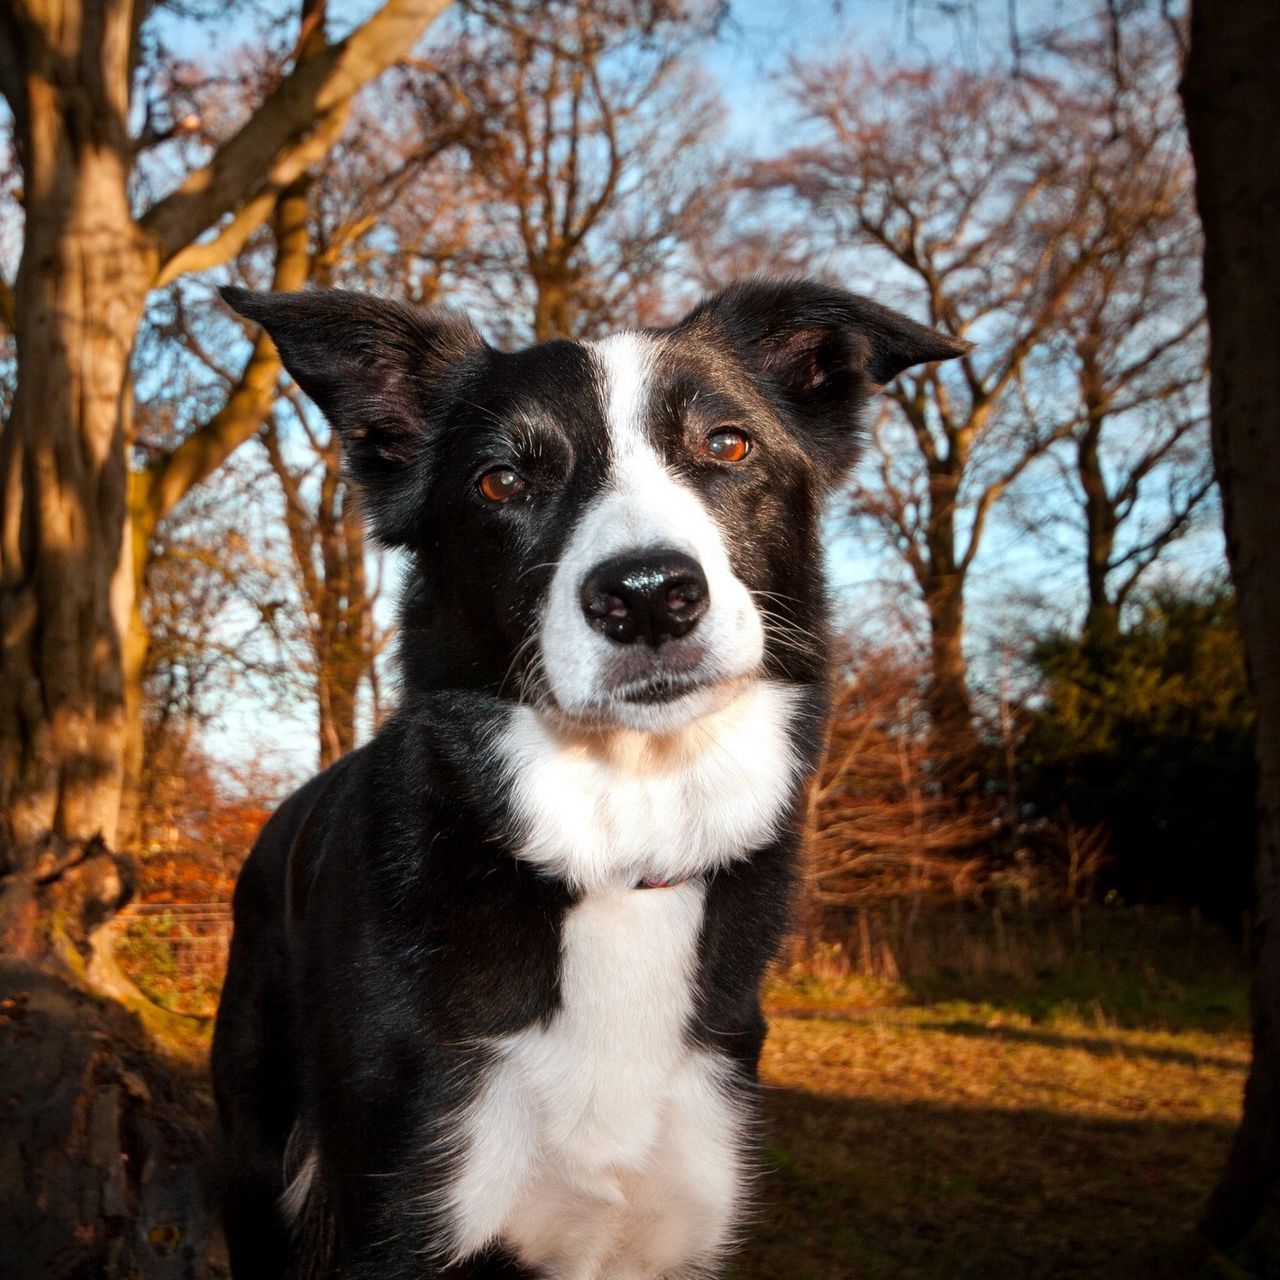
(818, 350)
(380, 372)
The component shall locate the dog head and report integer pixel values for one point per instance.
(624, 531)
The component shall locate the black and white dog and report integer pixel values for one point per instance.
(492, 1002)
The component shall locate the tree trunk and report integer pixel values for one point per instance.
(553, 304)
(336, 697)
(106, 1169)
(66, 580)
(948, 688)
(327, 541)
(1231, 93)
(942, 586)
(67, 556)
(137, 643)
(1102, 614)
(350, 627)
(343, 644)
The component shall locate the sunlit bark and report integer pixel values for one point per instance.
(72, 528)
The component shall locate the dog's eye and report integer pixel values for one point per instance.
(726, 445)
(501, 484)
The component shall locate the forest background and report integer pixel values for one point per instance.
(1039, 795)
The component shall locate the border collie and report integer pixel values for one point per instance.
(492, 1004)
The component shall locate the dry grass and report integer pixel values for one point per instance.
(1045, 1097)
(1052, 1131)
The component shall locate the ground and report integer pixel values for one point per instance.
(959, 1139)
(1039, 1097)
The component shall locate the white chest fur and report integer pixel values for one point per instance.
(602, 810)
(605, 1147)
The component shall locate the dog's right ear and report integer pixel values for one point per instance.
(379, 371)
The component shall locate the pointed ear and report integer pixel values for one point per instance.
(817, 348)
(379, 371)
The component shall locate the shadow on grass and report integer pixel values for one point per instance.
(858, 1189)
(1099, 1046)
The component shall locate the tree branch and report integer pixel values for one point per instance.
(1126, 495)
(175, 473)
(910, 399)
(205, 254)
(613, 169)
(298, 521)
(1144, 554)
(989, 496)
(267, 147)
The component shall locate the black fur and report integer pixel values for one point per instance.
(383, 927)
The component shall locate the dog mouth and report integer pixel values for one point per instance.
(653, 688)
(662, 703)
(660, 688)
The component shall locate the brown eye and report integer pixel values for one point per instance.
(726, 445)
(501, 484)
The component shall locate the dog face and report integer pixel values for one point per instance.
(621, 532)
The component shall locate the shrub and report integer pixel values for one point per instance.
(1148, 734)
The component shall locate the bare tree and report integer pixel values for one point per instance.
(582, 144)
(1132, 332)
(72, 515)
(943, 180)
(216, 619)
(1045, 218)
(388, 210)
(325, 527)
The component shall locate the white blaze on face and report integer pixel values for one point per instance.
(642, 507)
(603, 1144)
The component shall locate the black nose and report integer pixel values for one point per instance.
(654, 596)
